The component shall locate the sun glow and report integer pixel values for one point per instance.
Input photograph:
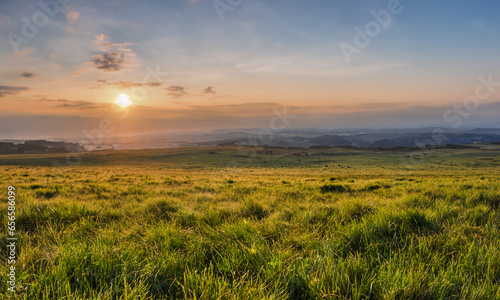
(123, 100)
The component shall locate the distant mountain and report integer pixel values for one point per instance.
(38, 147)
(429, 138)
(330, 140)
(375, 139)
(286, 138)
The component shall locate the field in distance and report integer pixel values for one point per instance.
(251, 223)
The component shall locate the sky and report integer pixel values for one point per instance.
(199, 65)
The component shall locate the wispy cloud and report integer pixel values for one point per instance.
(129, 84)
(101, 41)
(209, 90)
(11, 90)
(318, 66)
(28, 75)
(177, 91)
(72, 24)
(72, 16)
(24, 52)
(81, 104)
(86, 105)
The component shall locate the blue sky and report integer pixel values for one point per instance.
(262, 55)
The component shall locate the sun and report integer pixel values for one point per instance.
(123, 100)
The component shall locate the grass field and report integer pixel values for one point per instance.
(228, 223)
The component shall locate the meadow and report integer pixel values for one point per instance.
(236, 223)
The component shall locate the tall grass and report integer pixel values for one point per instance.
(149, 232)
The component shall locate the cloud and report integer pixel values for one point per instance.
(25, 52)
(28, 75)
(11, 90)
(241, 109)
(73, 26)
(177, 91)
(75, 104)
(112, 61)
(80, 104)
(129, 84)
(52, 100)
(209, 90)
(315, 66)
(101, 42)
(113, 56)
(72, 16)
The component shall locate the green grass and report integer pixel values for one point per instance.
(188, 224)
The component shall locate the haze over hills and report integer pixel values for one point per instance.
(302, 138)
(305, 138)
(37, 147)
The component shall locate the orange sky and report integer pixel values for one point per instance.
(183, 64)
